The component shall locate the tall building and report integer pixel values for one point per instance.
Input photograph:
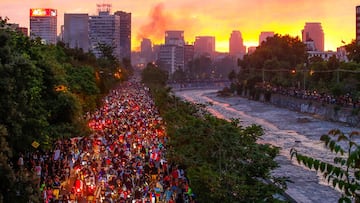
(76, 31)
(174, 37)
(43, 24)
(314, 32)
(264, 35)
(171, 58)
(104, 29)
(171, 55)
(125, 34)
(188, 55)
(236, 44)
(357, 23)
(204, 45)
(146, 51)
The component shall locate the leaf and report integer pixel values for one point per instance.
(316, 164)
(322, 167)
(329, 168)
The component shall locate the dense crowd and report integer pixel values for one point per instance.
(346, 100)
(123, 160)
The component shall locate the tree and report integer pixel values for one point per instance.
(16, 186)
(353, 50)
(222, 159)
(153, 75)
(344, 173)
(278, 55)
(179, 75)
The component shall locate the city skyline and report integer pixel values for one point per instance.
(150, 19)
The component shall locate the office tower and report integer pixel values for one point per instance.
(125, 34)
(174, 37)
(146, 51)
(104, 29)
(76, 31)
(264, 35)
(171, 57)
(188, 55)
(43, 24)
(314, 32)
(204, 45)
(357, 23)
(236, 45)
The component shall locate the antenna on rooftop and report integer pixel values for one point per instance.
(104, 7)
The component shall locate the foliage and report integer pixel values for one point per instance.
(200, 67)
(153, 75)
(10, 181)
(45, 91)
(272, 61)
(222, 159)
(344, 173)
(179, 76)
(47, 88)
(353, 51)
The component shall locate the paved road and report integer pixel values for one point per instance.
(283, 129)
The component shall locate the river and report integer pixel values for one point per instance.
(286, 129)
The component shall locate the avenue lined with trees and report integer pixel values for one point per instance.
(45, 92)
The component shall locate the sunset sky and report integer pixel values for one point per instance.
(150, 18)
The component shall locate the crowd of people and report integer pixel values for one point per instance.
(346, 100)
(123, 160)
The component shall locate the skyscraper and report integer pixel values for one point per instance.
(204, 45)
(125, 34)
(357, 23)
(146, 50)
(43, 24)
(171, 54)
(104, 29)
(174, 37)
(264, 35)
(76, 31)
(314, 32)
(236, 45)
(188, 55)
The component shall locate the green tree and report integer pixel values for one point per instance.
(16, 186)
(153, 75)
(353, 51)
(179, 76)
(222, 159)
(275, 58)
(344, 172)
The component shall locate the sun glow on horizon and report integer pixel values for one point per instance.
(150, 19)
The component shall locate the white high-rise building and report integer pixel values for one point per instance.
(171, 54)
(104, 29)
(43, 24)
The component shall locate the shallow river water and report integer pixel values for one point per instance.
(283, 129)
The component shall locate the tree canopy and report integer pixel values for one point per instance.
(222, 159)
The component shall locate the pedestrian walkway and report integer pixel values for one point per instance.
(124, 158)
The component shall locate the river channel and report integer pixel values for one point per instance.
(286, 129)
